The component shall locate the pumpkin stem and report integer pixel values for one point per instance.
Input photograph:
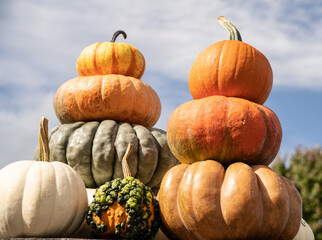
(125, 165)
(116, 34)
(233, 32)
(43, 140)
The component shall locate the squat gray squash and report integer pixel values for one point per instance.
(95, 150)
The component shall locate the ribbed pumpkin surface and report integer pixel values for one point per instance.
(95, 151)
(225, 129)
(111, 58)
(204, 201)
(111, 96)
(231, 68)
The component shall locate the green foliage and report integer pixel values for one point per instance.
(304, 169)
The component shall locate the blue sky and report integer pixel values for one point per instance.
(41, 40)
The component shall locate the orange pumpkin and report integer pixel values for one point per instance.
(204, 201)
(225, 129)
(111, 58)
(231, 68)
(116, 97)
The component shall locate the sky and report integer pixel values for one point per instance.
(41, 40)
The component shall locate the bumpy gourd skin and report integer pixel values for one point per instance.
(124, 208)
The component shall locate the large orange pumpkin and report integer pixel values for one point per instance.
(111, 58)
(231, 68)
(117, 97)
(224, 129)
(204, 201)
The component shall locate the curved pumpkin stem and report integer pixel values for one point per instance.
(116, 34)
(125, 165)
(233, 31)
(43, 140)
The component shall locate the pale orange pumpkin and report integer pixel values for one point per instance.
(112, 96)
(203, 201)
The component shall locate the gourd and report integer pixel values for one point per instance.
(231, 68)
(225, 129)
(111, 58)
(204, 201)
(94, 149)
(41, 198)
(111, 96)
(124, 208)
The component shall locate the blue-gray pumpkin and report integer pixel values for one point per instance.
(95, 150)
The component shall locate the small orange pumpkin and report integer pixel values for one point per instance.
(111, 58)
(231, 68)
(203, 201)
(100, 97)
(225, 129)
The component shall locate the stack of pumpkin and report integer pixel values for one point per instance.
(102, 111)
(107, 115)
(225, 139)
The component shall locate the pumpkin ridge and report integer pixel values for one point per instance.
(194, 198)
(67, 227)
(114, 135)
(132, 63)
(296, 197)
(134, 95)
(142, 69)
(266, 147)
(277, 137)
(97, 69)
(260, 170)
(82, 160)
(147, 156)
(115, 63)
(236, 62)
(123, 138)
(177, 198)
(220, 63)
(77, 110)
(103, 151)
(24, 231)
(256, 57)
(157, 145)
(55, 199)
(63, 113)
(165, 157)
(66, 142)
(224, 155)
(267, 135)
(91, 155)
(68, 230)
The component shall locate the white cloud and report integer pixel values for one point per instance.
(40, 42)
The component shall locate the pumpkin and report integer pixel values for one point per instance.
(224, 129)
(100, 97)
(305, 232)
(124, 208)
(204, 201)
(231, 68)
(94, 150)
(111, 58)
(41, 198)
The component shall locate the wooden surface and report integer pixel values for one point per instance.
(159, 236)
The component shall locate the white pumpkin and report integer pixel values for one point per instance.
(41, 199)
(305, 232)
